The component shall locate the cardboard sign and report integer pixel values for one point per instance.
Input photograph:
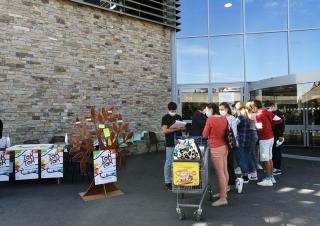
(26, 164)
(105, 170)
(52, 163)
(4, 166)
(186, 173)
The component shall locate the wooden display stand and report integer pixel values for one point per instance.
(103, 191)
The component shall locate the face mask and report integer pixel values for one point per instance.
(171, 113)
(208, 113)
(269, 109)
(223, 113)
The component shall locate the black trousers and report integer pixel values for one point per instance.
(232, 175)
(276, 156)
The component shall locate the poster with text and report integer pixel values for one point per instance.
(52, 163)
(4, 166)
(186, 173)
(105, 170)
(26, 164)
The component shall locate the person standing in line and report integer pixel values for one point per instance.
(215, 129)
(264, 122)
(199, 120)
(278, 131)
(243, 138)
(225, 110)
(167, 121)
(253, 142)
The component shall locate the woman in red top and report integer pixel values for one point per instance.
(215, 129)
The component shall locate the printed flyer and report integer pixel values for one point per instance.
(52, 163)
(26, 164)
(105, 170)
(186, 173)
(4, 166)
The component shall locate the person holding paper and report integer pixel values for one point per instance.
(170, 133)
(264, 122)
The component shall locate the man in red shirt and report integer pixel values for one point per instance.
(264, 122)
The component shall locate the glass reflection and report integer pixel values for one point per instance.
(226, 17)
(267, 56)
(192, 60)
(194, 18)
(262, 15)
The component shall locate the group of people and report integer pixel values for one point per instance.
(256, 129)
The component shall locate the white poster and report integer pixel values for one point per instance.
(26, 164)
(52, 163)
(4, 166)
(105, 170)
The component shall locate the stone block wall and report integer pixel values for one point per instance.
(58, 58)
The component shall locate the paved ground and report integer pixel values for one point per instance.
(295, 200)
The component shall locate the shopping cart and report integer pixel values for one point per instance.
(199, 186)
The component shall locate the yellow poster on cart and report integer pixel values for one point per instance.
(186, 173)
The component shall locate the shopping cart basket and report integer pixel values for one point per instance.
(191, 177)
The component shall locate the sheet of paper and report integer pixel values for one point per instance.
(178, 124)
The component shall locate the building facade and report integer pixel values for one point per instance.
(237, 50)
(59, 58)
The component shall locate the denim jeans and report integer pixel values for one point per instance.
(243, 157)
(252, 151)
(167, 165)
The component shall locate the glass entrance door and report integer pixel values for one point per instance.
(300, 104)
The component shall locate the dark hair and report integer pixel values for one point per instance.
(172, 106)
(268, 104)
(226, 106)
(214, 107)
(202, 106)
(257, 103)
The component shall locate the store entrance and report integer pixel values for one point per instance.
(300, 104)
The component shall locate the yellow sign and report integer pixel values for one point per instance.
(101, 126)
(186, 173)
(106, 132)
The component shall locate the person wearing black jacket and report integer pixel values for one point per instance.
(1, 128)
(278, 131)
(198, 121)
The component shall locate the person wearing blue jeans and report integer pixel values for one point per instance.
(167, 121)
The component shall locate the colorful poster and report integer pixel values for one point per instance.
(105, 170)
(4, 166)
(52, 163)
(186, 173)
(26, 164)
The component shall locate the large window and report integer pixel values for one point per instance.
(227, 59)
(267, 56)
(265, 15)
(194, 18)
(304, 14)
(305, 52)
(226, 17)
(192, 60)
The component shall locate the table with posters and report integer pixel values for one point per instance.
(32, 161)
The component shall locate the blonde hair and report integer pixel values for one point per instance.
(250, 106)
(241, 107)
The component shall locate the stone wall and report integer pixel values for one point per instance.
(58, 58)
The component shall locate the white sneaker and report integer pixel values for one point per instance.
(253, 176)
(228, 188)
(239, 184)
(237, 170)
(273, 180)
(259, 166)
(265, 182)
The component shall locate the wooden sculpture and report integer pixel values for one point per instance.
(112, 134)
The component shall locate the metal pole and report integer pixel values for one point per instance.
(173, 67)
(244, 43)
(209, 54)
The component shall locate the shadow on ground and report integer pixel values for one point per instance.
(294, 200)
